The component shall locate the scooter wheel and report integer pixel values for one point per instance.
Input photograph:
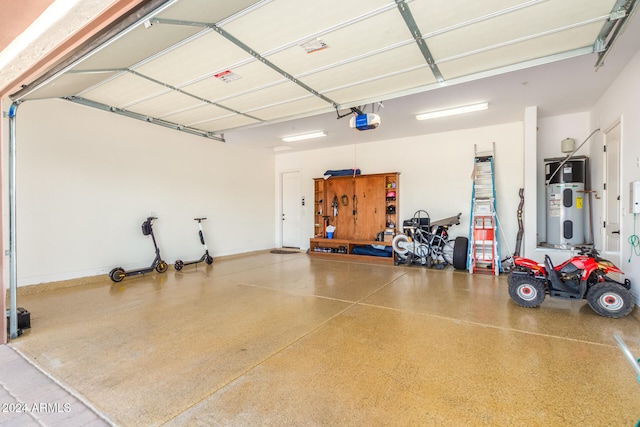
(208, 260)
(178, 265)
(117, 274)
(610, 300)
(525, 290)
(161, 267)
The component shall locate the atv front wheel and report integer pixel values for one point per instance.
(525, 290)
(610, 300)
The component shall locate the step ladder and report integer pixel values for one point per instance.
(484, 251)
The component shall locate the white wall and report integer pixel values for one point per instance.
(435, 173)
(87, 179)
(621, 101)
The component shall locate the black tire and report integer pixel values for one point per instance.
(208, 260)
(162, 267)
(117, 274)
(525, 290)
(460, 249)
(610, 300)
(178, 265)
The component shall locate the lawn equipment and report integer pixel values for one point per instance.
(119, 273)
(427, 243)
(205, 257)
(584, 276)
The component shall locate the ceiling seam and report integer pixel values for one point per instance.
(483, 18)
(480, 75)
(167, 86)
(183, 92)
(523, 39)
(331, 29)
(171, 48)
(379, 77)
(355, 58)
(299, 98)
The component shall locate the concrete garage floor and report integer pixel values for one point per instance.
(282, 339)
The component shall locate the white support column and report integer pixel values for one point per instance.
(529, 216)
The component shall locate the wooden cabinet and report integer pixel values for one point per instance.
(318, 206)
(391, 185)
(358, 207)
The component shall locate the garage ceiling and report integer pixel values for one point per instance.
(208, 67)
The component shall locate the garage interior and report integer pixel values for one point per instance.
(285, 338)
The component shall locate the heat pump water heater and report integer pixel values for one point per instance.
(566, 200)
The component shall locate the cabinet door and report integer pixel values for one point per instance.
(370, 206)
(340, 190)
(319, 208)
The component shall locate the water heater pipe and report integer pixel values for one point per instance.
(569, 156)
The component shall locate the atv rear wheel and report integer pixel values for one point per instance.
(525, 290)
(610, 300)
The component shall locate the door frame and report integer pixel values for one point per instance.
(279, 219)
(615, 256)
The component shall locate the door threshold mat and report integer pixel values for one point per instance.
(284, 251)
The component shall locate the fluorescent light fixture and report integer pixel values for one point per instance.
(453, 111)
(303, 136)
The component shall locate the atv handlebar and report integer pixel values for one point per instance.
(586, 250)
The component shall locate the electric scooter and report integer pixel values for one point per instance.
(206, 257)
(118, 273)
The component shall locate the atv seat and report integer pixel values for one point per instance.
(551, 272)
(556, 283)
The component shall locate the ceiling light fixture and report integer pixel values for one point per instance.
(453, 111)
(304, 136)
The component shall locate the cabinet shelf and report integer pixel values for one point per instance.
(342, 249)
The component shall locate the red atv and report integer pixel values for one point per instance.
(581, 277)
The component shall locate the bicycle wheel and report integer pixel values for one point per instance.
(447, 252)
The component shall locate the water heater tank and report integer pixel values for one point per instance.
(565, 200)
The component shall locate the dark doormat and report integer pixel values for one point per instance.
(284, 251)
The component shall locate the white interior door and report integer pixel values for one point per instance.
(291, 209)
(611, 245)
